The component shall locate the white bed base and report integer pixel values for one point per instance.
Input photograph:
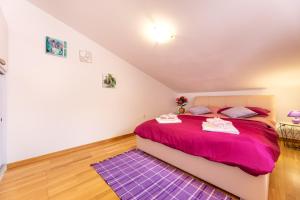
(228, 178)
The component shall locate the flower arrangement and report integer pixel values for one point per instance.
(181, 102)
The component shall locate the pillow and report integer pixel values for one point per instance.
(260, 111)
(214, 109)
(222, 109)
(238, 112)
(199, 110)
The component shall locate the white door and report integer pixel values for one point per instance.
(3, 55)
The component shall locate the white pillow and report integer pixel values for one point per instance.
(199, 110)
(239, 112)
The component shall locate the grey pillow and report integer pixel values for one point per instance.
(199, 110)
(239, 112)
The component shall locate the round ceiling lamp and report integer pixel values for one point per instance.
(161, 32)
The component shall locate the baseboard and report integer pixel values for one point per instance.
(2, 171)
(63, 152)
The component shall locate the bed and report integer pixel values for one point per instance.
(247, 180)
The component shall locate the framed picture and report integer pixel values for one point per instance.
(108, 81)
(56, 47)
(85, 56)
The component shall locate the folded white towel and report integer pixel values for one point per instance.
(219, 125)
(218, 121)
(168, 116)
(168, 121)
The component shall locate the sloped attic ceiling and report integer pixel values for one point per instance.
(219, 45)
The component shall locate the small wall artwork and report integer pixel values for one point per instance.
(108, 81)
(56, 47)
(85, 56)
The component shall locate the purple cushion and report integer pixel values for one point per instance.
(260, 111)
(239, 112)
(199, 110)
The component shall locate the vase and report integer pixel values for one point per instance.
(181, 110)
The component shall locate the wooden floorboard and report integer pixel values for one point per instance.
(64, 152)
(70, 177)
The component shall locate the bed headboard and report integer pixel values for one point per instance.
(263, 101)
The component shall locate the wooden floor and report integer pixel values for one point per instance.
(285, 178)
(70, 176)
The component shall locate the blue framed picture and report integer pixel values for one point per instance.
(56, 47)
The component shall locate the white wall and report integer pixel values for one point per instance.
(287, 98)
(3, 55)
(56, 103)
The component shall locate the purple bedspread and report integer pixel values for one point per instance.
(255, 150)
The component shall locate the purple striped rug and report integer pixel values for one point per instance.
(137, 175)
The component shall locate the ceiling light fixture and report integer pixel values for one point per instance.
(161, 33)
